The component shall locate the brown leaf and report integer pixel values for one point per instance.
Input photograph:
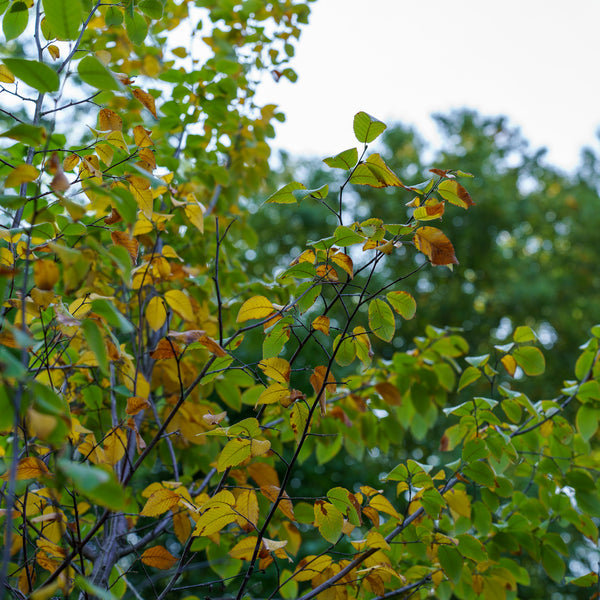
(285, 505)
(389, 393)
(113, 218)
(435, 245)
(130, 244)
(214, 419)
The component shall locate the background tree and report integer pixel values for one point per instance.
(162, 409)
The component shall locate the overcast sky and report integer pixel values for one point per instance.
(536, 61)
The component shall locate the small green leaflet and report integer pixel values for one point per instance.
(367, 128)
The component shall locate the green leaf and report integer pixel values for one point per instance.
(403, 303)
(381, 319)
(285, 194)
(151, 8)
(346, 503)
(367, 128)
(317, 193)
(524, 334)
(344, 160)
(329, 520)
(64, 18)
(588, 580)
(15, 21)
(453, 192)
(28, 134)
(451, 561)
(481, 473)
(474, 450)
(375, 173)
(136, 27)
(94, 73)
(530, 359)
(346, 352)
(587, 421)
(553, 564)
(111, 313)
(96, 484)
(344, 236)
(95, 341)
(36, 74)
(468, 376)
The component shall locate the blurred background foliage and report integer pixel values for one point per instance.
(528, 252)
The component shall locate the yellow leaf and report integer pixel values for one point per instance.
(182, 526)
(70, 162)
(235, 452)
(45, 274)
(246, 505)
(181, 304)
(260, 447)
(257, 307)
(116, 139)
(215, 516)
(263, 474)
(321, 323)
(382, 504)
(5, 75)
(156, 313)
(195, 214)
(140, 188)
(345, 262)
(428, 212)
(158, 557)
(21, 174)
(31, 468)
(310, 566)
(244, 550)
(160, 502)
(274, 393)
(276, 368)
(54, 51)
(141, 137)
(510, 364)
(455, 193)
(114, 446)
(435, 245)
(459, 502)
(147, 100)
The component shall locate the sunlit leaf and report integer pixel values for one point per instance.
(160, 502)
(181, 304)
(453, 192)
(375, 173)
(64, 18)
(530, 359)
(146, 99)
(367, 128)
(285, 194)
(344, 160)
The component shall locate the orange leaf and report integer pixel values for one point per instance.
(130, 244)
(147, 100)
(31, 468)
(212, 346)
(158, 557)
(109, 120)
(113, 218)
(287, 508)
(345, 262)
(389, 393)
(435, 245)
(165, 349)
(135, 404)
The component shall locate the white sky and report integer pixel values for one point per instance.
(536, 61)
